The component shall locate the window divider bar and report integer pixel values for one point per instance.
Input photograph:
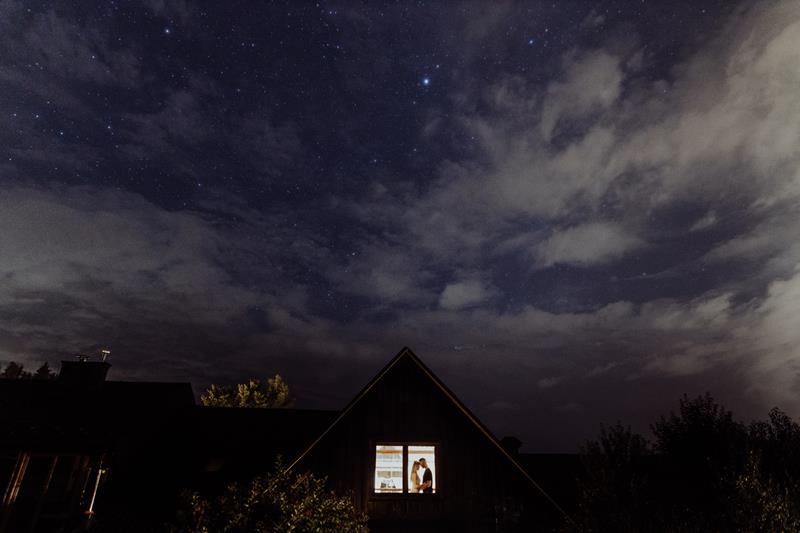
(405, 466)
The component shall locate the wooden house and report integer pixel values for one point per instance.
(406, 414)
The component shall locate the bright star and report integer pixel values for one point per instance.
(426, 81)
(167, 31)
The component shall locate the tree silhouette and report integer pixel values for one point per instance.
(778, 441)
(705, 471)
(14, 370)
(702, 449)
(44, 372)
(613, 494)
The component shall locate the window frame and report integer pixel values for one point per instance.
(405, 493)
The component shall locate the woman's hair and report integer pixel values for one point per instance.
(415, 465)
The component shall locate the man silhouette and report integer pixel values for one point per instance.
(427, 477)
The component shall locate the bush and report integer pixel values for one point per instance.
(278, 502)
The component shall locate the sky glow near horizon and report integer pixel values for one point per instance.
(586, 211)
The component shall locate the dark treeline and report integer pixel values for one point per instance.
(14, 370)
(702, 471)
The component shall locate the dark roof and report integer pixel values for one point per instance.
(111, 416)
(53, 413)
(42, 393)
(247, 440)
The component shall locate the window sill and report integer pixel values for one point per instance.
(413, 497)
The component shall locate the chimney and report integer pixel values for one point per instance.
(83, 371)
(511, 445)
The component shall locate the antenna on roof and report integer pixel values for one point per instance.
(82, 357)
(104, 353)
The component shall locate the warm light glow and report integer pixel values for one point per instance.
(391, 472)
(389, 469)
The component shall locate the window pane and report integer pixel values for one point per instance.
(389, 469)
(423, 482)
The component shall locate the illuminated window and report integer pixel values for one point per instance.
(405, 469)
(389, 469)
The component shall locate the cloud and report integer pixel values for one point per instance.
(776, 343)
(462, 294)
(586, 245)
(81, 266)
(607, 170)
(693, 177)
(592, 82)
(708, 220)
(719, 136)
(179, 132)
(384, 274)
(83, 101)
(548, 382)
(55, 47)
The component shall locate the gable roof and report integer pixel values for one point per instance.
(406, 353)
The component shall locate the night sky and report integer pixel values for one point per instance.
(573, 212)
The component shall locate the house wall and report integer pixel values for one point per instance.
(48, 492)
(478, 488)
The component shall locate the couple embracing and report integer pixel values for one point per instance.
(426, 485)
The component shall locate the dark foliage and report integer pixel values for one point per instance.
(44, 372)
(778, 442)
(272, 394)
(701, 451)
(615, 489)
(278, 502)
(703, 471)
(14, 370)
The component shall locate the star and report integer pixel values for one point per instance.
(426, 81)
(167, 31)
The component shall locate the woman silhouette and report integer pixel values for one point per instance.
(415, 484)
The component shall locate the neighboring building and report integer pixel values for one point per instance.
(81, 444)
(63, 439)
